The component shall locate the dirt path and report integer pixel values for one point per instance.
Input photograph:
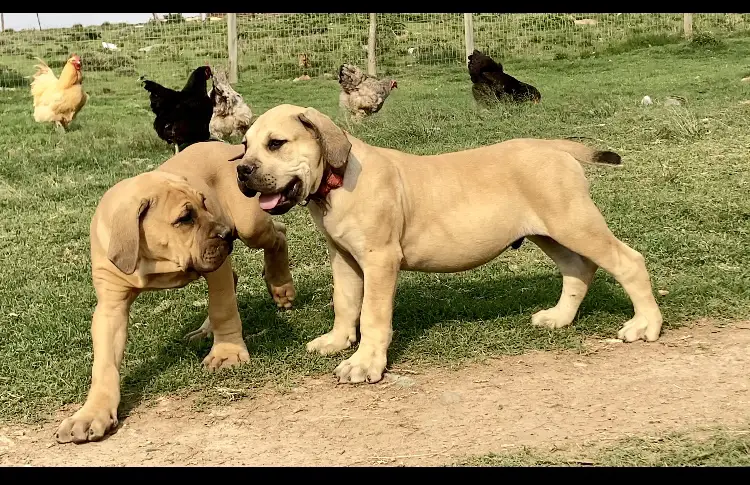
(691, 377)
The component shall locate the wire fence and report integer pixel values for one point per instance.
(286, 46)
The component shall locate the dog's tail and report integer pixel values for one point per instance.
(586, 154)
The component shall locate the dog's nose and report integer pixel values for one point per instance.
(245, 171)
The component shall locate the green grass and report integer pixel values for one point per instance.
(715, 448)
(269, 45)
(681, 199)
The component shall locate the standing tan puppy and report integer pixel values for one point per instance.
(164, 229)
(383, 210)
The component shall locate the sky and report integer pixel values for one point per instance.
(19, 21)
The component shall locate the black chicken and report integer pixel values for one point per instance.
(491, 83)
(182, 117)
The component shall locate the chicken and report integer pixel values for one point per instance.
(490, 83)
(60, 99)
(231, 116)
(362, 94)
(182, 117)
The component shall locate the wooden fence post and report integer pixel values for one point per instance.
(2, 22)
(371, 64)
(232, 45)
(468, 34)
(687, 25)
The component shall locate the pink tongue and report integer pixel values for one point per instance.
(269, 201)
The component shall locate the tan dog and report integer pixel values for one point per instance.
(164, 229)
(441, 213)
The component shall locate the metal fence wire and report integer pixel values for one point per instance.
(285, 46)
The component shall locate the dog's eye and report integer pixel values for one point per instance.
(275, 144)
(186, 218)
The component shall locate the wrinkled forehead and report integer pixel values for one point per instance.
(170, 188)
(281, 124)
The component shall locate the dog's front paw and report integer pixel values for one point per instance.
(224, 355)
(367, 364)
(550, 318)
(89, 423)
(640, 327)
(332, 342)
(282, 294)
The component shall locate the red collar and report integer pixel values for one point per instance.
(330, 181)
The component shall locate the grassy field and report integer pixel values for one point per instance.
(711, 448)
(681, 199)
(269, 45)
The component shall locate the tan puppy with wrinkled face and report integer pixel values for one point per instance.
(441, 213)
(164, 229)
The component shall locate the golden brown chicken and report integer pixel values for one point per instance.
(362, 94)
(60, 99)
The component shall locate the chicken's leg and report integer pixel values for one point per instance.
(60, 127)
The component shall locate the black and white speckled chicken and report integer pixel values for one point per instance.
(232, 116)
(362, 94)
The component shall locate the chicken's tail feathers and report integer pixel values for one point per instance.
(150, 86)
(350, 76)
(41, 68)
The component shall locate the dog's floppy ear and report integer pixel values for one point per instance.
(333, 142)
(239, 156)
(124, 237)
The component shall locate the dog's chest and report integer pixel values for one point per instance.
(170, 280)
(333, 224)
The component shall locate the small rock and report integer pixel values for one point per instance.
(746, 79)
(613, 341)
(585, 22)
(672, 102)
(646, 101)
(663, 292)
(580, 364)
(328, 75)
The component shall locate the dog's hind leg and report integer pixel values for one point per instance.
(348, 290)
(590, 237)
(577, 272)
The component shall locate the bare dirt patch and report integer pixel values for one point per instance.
(692, 377)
